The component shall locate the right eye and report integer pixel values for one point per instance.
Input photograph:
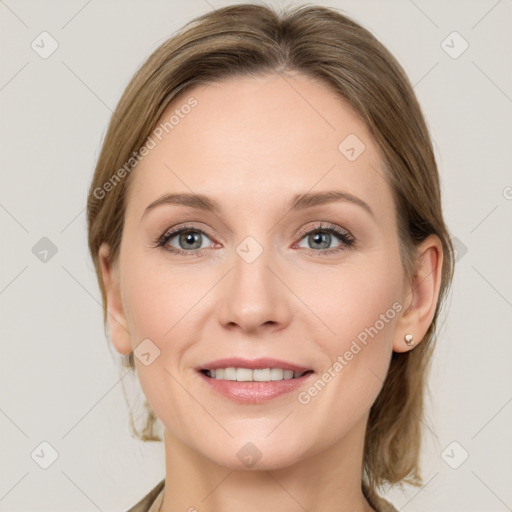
(186, 241)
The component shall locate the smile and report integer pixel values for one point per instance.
(253, 381)
(253, 375)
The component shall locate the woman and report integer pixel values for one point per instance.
(266, 226)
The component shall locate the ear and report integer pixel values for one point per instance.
(117, 324)
(421, 295)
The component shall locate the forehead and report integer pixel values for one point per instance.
(260, 138)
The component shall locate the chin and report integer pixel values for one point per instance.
(254, 455)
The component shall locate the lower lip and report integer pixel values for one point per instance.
(254, 392)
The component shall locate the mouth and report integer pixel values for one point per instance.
(255, 381)
(253, 375)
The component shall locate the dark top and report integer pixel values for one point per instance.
(152, 501)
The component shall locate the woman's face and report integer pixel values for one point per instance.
(298, 263)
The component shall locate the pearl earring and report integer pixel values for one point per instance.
(409, 340)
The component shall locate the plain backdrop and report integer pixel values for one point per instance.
(59, 381)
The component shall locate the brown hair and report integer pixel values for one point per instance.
(322, 43)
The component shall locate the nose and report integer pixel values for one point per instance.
(253, 299)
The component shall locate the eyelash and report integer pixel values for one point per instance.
(347, 240)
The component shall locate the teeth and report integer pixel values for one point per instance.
(244, 374)
(249, 375)
(261, 375)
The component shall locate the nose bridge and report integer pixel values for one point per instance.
(253, 296)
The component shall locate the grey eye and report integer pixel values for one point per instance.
(189, 239)
(320, 239)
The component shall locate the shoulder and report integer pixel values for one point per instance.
(145, 503)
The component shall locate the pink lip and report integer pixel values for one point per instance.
(255, 364)
(253, 392)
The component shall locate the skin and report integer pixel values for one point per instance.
(251, 144)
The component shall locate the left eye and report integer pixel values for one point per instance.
(321, 239)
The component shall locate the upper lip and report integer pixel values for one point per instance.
(255, 364)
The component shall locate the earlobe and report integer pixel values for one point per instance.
(421, 295)
(116, 318)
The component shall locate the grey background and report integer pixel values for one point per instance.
(60, 382)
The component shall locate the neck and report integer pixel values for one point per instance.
(329, 480)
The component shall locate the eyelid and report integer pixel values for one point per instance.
(324, 226)
(176, 230)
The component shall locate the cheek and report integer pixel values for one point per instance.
(354, 299)
(156, 299)
(360, 305)
(160, 304)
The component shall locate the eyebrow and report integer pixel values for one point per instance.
(298, 202)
